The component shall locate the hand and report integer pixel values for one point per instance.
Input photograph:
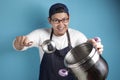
(22, 41)
(97, 44)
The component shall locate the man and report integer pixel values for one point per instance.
(52, 65)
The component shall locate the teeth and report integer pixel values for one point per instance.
(60, 28)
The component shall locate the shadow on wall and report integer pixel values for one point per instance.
(35, 16)
(19, 20)
(24, 20)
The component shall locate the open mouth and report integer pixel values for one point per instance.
(60, 29)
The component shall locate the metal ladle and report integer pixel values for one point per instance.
(48, 46)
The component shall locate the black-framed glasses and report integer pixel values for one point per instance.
(56, 21)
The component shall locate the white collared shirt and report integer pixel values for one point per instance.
(40, 35)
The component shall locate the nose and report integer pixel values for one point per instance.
(61, 23)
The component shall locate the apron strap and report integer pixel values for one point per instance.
(51, 34)
(68, 36)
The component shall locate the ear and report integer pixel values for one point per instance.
(49, 20)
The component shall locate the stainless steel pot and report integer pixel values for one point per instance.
(86, 63)
(48, 46)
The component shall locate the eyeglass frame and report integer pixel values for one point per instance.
(57, 21)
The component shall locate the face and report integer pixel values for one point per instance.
(59, 22)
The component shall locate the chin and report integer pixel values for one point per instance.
(61, 33)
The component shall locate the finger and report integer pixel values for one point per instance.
(27, 42)
(97, 39)
(30, 43)
(21, 40)
(18, 40)
(93, 42)
(100, 51)
(99, 48)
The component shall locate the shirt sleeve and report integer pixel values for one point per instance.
(34, 37)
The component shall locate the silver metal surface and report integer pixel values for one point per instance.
(48, 46)
(80, 59)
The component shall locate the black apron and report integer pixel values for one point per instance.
(52, 65)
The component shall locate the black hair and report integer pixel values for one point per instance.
(58, 8)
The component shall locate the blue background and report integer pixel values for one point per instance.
(92, 17)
